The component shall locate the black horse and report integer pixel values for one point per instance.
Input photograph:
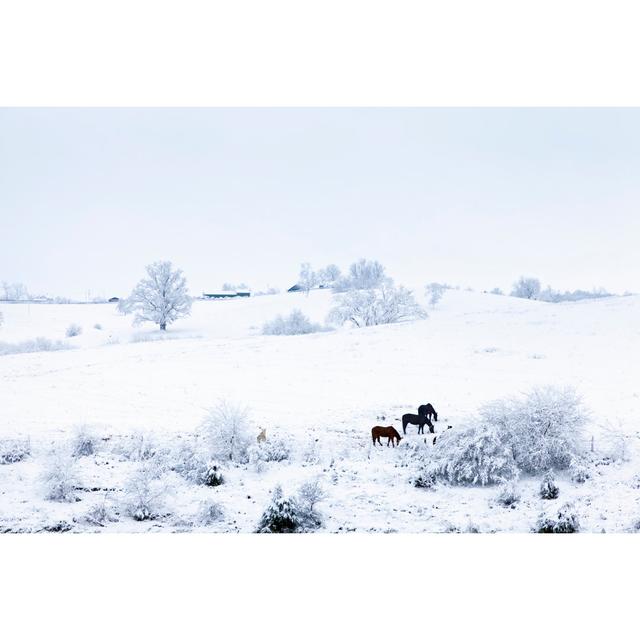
(428, 411)
(412, 418)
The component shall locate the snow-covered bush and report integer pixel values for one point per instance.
(84, 442)
(274, 449)
(209, 512)
(59, 477)
(309, 495)
(196, 466)
(425, 480)
(509, 495)
(12, 451)
(100, 514)
(73, 330)
(226, 432)
(32, 346)
(544, 428)
(497, 291)
(162, 297)
(472, 455)
(370, 307)
(281, 515)
(97, 326)
(138, 447)
(296, 323)
(528, 288)
(579, 472)
(145, 492)
(566, 521)
(548, 488)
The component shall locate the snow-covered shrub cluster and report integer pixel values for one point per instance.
(100, 515)
(473, 455)
(579, 472)
(73, 330)
(59, 477)
(32, 346)
(12, 451)
(84, 442)
(369, 307)
(274, 449)
(296, 323)
(193, 464)
(551, 295)
(296, 514)
(225, 431)
(162, 297)
(566, 521)
(509, 495)
(544, 428)
(425, 480)
(138, 447)
(548, 488)
(209, 512)
(145, 492)
(97, 326)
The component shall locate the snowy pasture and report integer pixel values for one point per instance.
(139, 395)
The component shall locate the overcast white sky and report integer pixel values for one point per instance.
(474, 197)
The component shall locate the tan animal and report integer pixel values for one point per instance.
(385, 432)
(262, 436)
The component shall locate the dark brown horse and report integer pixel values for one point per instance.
(420, 421)
(385, 432)
(428, 411)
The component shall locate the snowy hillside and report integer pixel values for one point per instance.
(332, 386)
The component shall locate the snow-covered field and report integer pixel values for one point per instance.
(331, 387)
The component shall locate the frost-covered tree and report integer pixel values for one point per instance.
(528, 288)
(226, 432)
(162, 297)
(434, 292)
(228, 286)
(364, 274)
(308, 277)
(330, 274)
(385, 305)
(497, 291)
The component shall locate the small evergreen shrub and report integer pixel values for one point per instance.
(566, 521)
(548, 488)
(73, 330)
(280, 516)
(12, 451)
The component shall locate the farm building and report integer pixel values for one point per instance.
(220, 295)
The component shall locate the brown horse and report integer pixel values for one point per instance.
(385, 432)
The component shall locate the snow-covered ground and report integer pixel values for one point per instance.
(331, 386)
